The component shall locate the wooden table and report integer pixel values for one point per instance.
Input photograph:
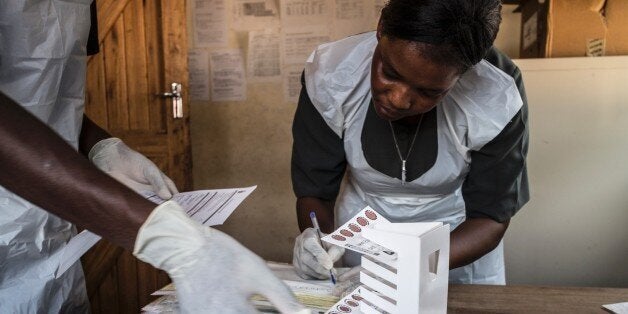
(531, 299)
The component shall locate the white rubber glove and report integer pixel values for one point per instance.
(310, 259)
(347, 282)
(130, 168)
(211, 271)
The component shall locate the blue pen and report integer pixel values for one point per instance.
(318, 233)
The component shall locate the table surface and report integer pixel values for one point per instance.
(531, 299)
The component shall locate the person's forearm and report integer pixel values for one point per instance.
(36, 164)
(324, 213)
(91, 134)
(473, 239)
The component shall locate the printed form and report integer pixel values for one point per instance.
(208, 207)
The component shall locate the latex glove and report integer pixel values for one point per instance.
(130, 168)
(211, 271)
(310, 259)
(347, 282)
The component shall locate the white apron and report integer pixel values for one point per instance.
(337, 77)
(42, 67)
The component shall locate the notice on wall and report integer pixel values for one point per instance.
(198, 64)
(264, 58)
(292, 82)
(228, 79)
(296, 13)
(209, 18)
(351, 17)
(298, 43)
(255, 14)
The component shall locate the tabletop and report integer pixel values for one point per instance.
(531, 299)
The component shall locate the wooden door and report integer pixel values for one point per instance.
(143, 49)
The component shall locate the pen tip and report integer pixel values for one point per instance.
(312, 214)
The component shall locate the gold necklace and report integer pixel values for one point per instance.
(403, 161)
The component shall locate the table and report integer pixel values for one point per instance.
(531, 299)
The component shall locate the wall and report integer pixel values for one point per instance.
(573, 232)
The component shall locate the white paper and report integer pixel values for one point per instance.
(77, 246)
(349, 235)
(255, 14)
(292, 82)
(296, 13)
(619, 308)
(209, 207)
(209, 20)
(228, 81)
(351, 17)
(264, 58)
(198, 64)
(164, 304)
(299, 42)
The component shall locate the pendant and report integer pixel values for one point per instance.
(403, 172)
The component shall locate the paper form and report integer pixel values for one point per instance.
(314, 294)
(295, 13)
(255, 14)
(292, 82)
(164, 304)
(264, 63)
(208, 207)
(619, 308)
(198, 61)
(350, 236)
(351, 17)
(228, 79)
(299, 42)
(209, 20)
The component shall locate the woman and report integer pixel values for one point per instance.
(429, 123)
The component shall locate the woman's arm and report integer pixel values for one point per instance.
(473, 239)
(324, 213)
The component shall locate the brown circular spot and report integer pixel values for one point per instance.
(370, 215)
(338, 237)
(343, 308)
(352, 303)
(355, 228)
(357, 297)
(346, 233)
(362, 221)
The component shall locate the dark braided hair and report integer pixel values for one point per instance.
(458, 32)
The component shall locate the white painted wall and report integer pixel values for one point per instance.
(573, 231)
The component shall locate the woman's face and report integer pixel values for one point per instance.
(404, 84)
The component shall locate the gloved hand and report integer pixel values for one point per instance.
(347, 282)
(310, 259)
(211, 271)
(130, 168)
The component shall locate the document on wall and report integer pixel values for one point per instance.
(264, 58)
(198, 65)
(292, 82)
(255, 14)
(299, 42)
(296, 13)
(228, 79)
(209, 19)
(208, 207)
(351, 17)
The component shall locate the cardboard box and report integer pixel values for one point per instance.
(573, 28)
